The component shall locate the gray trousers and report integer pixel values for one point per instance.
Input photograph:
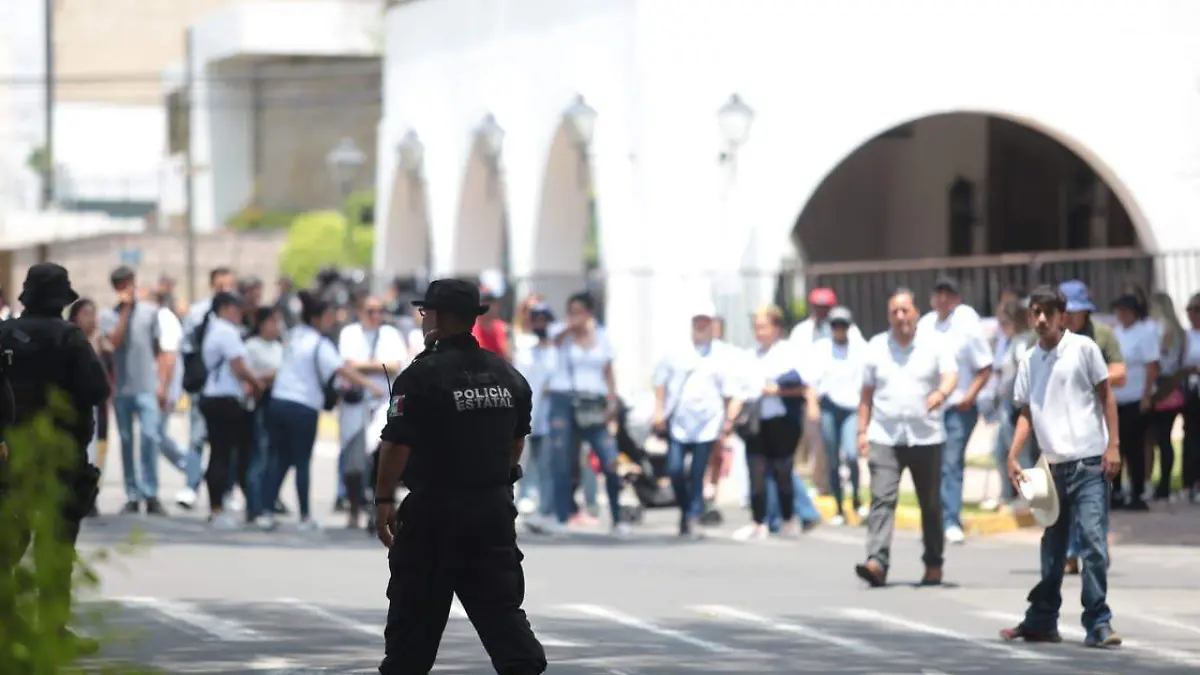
(886, 464)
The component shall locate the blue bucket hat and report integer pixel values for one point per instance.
(1078, 298)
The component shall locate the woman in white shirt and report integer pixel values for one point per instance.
(1191, 410)
(310, 362)
(1168, 395)
(771, 447)
(222, 403)
(835, 385)
(536, 362)
(583, 400)
(378, 351)
(1140, 349)
(264, 354)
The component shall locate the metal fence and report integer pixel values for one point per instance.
(865, 286)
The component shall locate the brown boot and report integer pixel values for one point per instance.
(872, 573)
(933, 577)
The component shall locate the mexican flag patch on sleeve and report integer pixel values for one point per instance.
(396, 409)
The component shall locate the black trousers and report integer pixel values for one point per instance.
(772, 451)
(1132, 424)
(462, 544)
(230, 438)
(1191, 441)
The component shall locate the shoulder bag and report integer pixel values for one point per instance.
(355, 394)
(589, 410)
(328, 388)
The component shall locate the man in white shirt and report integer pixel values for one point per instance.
(1063, 393)
(964, 337)
(220, 280)
(907, 378)
(697, 398)
(170, 337)
(817, 326)
(377, 350)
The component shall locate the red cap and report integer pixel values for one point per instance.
(822, 297)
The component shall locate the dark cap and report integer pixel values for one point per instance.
(47, 285)
(1127, 301)
(452, 295)
(946, 284)
(542, 310)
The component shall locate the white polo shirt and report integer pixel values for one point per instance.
(1140, 346)
(836, 371)
(963, 330)
(1059, 386)
(222, 344)
(903, 378)
(697, 381)
(309, 360)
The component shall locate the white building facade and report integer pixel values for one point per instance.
(682, 211)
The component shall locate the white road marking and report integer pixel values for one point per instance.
(722, 612)
(457, 612)
(646, 626)
(1163, 621)
(334, 618)
(1175, 655)
(914, 626)
(277, 666)
(217, 627)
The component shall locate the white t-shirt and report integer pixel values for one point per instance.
(584, 366)
(263, 356)
(963, 332)
(772, 363)
(836, 371)
(1191, 358)
(1140, 345)
(222, 344)
(170, 338)
(355, 344)
(1059, 386)
(298, 381)
(698, 380)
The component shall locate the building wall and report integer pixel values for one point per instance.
(823, 77)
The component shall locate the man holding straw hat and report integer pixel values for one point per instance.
(1063, 393)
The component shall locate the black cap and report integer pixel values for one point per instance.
(946, 284)
(47, 285)
(1127, 301)
(453, 295)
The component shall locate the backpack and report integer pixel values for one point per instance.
(195, 372)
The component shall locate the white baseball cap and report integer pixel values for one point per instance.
(704, 308)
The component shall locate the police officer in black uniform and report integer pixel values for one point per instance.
(456, 428)
(42, 352)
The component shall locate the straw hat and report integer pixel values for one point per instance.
(1038, 490)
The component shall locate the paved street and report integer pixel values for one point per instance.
(194, 601)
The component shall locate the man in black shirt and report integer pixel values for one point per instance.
(456, 429)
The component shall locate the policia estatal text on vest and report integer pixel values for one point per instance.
(457, 423)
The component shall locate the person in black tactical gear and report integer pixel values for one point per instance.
(456, 428)
(44, 352)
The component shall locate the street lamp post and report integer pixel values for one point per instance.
(344, 161)
(581, 126)
(734, 119)
(412, 160)
(490, 138)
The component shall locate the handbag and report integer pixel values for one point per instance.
(1172, 401)
(589, 410)
(355, 394)
(328, 388)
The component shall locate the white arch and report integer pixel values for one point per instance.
(1141, 224)
(480, 237)
(561, 227)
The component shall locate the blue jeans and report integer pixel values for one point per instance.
(1083, 498)
(804, 508)
(183, 459)
(959, 425)
(839, 429)
(688, 485)
(292, 429)
(539, 475)
(145, 408)
(256, 474)
(197, 438)
(1004, 437)
(564, 437)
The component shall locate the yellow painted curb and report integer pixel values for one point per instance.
(909, 518)
(327, 425)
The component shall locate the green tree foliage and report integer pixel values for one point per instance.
(360, 208)
(317, 239)
(254, 218)
(39, 571)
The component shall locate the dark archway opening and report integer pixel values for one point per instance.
(987, 199)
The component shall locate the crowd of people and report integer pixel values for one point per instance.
(259, 374)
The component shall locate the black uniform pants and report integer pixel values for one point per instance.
(462, 544)
(230, 439)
